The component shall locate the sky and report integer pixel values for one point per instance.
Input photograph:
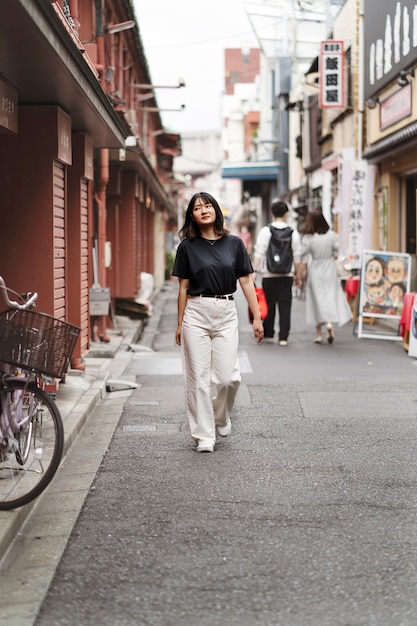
(185, 40)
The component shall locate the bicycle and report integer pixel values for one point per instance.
(34, 347)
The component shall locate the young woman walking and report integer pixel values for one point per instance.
(208, 264)
(326, 302)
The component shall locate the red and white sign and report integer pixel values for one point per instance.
(332, 74)
(396, 107)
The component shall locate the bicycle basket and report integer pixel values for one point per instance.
(37, 341)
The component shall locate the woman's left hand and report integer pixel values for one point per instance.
(248, 288)
(258, 330)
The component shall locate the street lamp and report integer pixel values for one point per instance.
(112, 29)
(157, 109)
(181, 83)
(145, 96)
(402, 80)
(372, 102)
(148, 96)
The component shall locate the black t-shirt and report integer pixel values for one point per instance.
(212, 269)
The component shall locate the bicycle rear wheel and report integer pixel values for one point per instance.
(29, 460)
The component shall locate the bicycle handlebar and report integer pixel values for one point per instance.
(32, 297)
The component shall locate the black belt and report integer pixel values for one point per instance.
(220, 297)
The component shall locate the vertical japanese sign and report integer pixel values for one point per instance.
(8, 107)
(332, 74)
(356, 210)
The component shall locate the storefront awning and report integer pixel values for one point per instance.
(251, 170)
(396, 141)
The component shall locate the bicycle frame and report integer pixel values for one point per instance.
(13, 304)
(12, 422)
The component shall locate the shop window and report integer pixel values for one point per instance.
(410, 213)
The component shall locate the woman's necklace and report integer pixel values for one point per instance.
(211, 241)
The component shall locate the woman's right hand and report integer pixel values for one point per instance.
(178, 335)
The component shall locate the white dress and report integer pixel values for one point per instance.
(325, 298)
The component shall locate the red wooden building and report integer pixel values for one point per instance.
(85, 176)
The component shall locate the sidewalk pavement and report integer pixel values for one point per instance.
(81, 392)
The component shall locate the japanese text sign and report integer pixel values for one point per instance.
(356, 210)
(332, 74)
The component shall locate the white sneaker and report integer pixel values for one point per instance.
(225, 430)
(283, 342)
(204, 446)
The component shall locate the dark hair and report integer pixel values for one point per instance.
(191, 230)
(400, 285)
(379, 259)
(315, 223)
(279, 208)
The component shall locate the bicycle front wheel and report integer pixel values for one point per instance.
(32, 444)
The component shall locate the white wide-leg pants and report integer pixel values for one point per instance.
(209, 343)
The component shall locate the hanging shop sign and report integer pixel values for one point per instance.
(8, 107)
(64, 153)
(332, 74)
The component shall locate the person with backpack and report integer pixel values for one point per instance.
(277, 255)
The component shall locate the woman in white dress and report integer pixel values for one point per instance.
(326, 302)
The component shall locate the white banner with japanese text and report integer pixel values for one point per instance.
(355, 207)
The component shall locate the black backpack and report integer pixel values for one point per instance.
(279, 257)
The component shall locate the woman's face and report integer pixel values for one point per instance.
(204, 213)
(374, 272)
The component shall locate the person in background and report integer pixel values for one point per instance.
(326, 302)
(246, 237)
(278, 287)
(208, 264)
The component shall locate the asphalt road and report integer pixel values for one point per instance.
(304, 516)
